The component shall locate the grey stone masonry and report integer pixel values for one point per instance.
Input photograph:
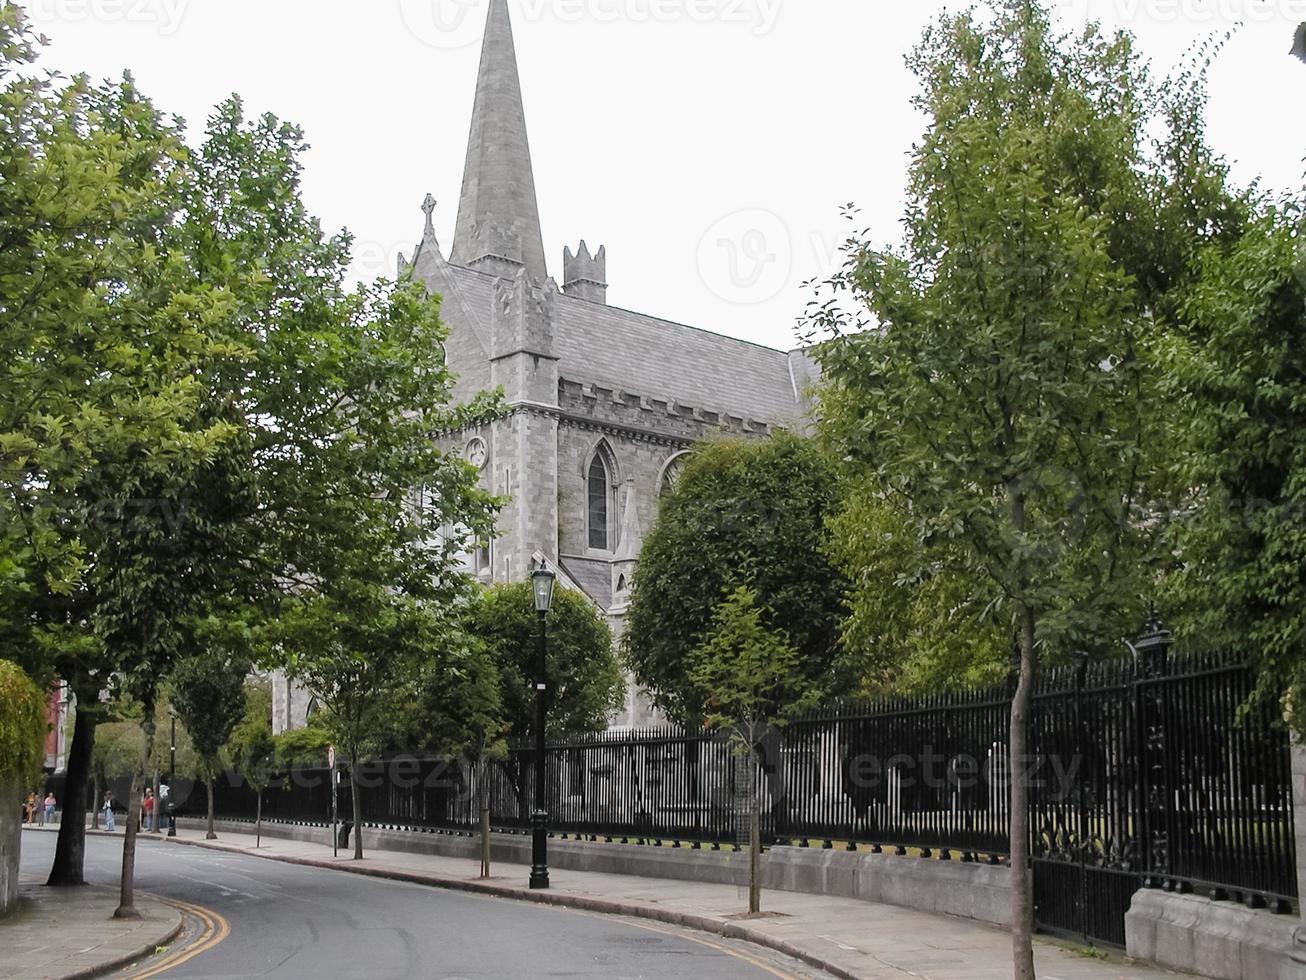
(585, 276)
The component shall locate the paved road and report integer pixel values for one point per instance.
(295, 922)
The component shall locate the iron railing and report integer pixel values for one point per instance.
(1158, 771)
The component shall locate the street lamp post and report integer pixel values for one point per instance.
(172, 776)
(542, 583)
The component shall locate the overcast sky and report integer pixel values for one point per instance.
(707, 143)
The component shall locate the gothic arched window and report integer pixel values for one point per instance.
(599, 493)
(671, 474)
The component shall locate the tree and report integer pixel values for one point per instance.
(457, 714)
(1237, 380)
(208, 694)
(357, 645)
(583, 675)
(100, 416)
(752, 680)
(915, 622)
(253, 749)
(1001, 395)
(118, 746)
(741, 512)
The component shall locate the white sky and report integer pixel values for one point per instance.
(707, 143)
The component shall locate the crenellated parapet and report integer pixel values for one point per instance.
(663, 414)
(585, 276)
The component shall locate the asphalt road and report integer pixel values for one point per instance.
(295, 922)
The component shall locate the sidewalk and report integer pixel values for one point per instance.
(67, 933)
(847, 938)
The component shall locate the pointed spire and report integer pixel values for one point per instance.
(498, 217)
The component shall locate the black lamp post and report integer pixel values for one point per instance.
(172, 777)
(542, 583)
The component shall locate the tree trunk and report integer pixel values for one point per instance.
(1022, 907)
(210, 833)
(258, 820)
(357, 808)
(97, 787)
(70, 850)
(127, 889)
(485, 841)
(754, 858)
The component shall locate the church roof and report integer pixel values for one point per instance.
(644, 355)
(594, 575)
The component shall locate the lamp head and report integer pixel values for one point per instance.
(542, 583)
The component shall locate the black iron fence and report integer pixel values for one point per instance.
(1152, 772)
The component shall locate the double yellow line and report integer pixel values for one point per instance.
(213, 929)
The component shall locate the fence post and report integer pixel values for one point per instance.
(1151, 652)
(1299, 828)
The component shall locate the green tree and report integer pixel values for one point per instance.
(208, 694)
(751, 680)
(457, 714)
(253, 749)
(357, 645)
(583, 676)
(916, 622)
(102, 420)
(1238, 383)
(741, 512)
(1000, 396)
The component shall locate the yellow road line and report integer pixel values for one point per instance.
(214, 929)
(694, 939)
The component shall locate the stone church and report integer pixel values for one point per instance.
(603, 403)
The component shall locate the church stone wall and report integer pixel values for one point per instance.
(638, 459)
(465, 357)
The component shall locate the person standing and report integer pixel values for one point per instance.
(147, 807)
(29, 809)
(108, 811)
(50, 804)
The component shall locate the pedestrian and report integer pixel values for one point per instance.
(108, 811)
(49, 807)
(161, 805)
(29, 808)
(147, 807)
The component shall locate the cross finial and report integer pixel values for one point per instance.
(428, 206)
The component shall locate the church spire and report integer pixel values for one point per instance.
(498, 225)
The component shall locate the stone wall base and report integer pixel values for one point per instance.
(1221, 940)
(973, 891)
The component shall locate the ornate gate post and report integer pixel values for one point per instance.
(1156, 799)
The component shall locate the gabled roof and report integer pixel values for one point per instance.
(643, 355)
